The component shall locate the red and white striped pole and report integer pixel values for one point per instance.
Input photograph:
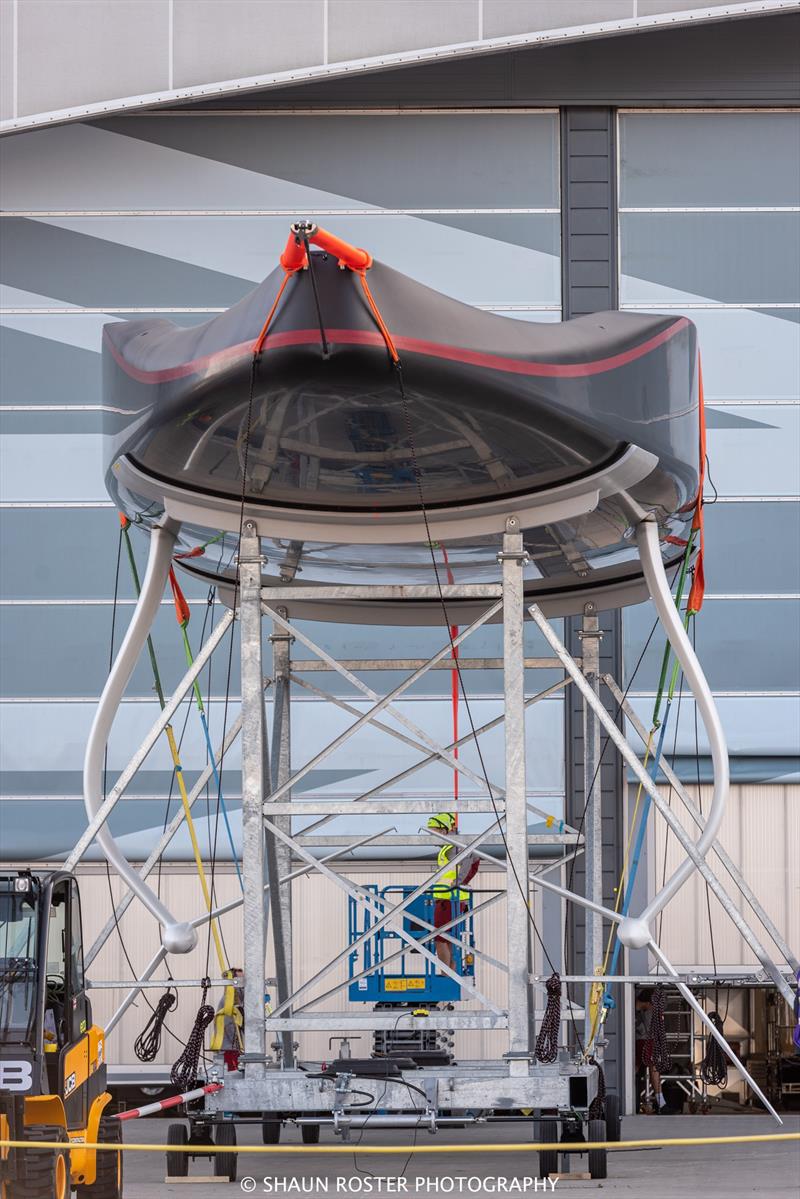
(150, 1109)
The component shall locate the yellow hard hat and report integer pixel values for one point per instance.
(443, 822)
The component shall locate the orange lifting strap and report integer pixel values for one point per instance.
(697, 592)
(295, 258)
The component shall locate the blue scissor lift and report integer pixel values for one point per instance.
(412, 977)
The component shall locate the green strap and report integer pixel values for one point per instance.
(662, 678)
(150, 647)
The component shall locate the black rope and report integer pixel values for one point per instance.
(148, 1042)
(185, 1071)
(656, 1052)
(597, 1108)
(714, 1066)
(547, 1040)
(323, 338)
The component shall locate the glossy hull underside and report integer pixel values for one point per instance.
(578, 429)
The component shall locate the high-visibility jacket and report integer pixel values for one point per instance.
(228, 1022)
(446, 887)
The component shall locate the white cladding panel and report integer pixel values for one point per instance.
(761, 832)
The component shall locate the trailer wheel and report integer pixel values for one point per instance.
(177, 1163)
(546, 1132)
(613, 1119)
(45, 1172)
(270, 1131)
(225, 1164)
(108, 1178)
(598, 1158)
(310, 1134)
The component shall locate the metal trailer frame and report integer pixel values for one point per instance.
(269, 1081)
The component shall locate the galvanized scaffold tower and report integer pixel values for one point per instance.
(269, 1079)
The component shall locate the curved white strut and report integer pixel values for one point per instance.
(177, 936)
(634, 931)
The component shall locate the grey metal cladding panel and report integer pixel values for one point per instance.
(73, 642)
(91, 272)
(78, 51)
(360, 30)
(37, 370)
(232, 39)
(771, 535)
(157, 261)
(80, 560)
(501, 17)
(404, 161)
(744, 645)
(588, 225)
(72, 651)
(6, 61)
(751, 61)
(733, 257)
(701, 159)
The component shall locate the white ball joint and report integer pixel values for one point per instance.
(179, 938)
(634, 933)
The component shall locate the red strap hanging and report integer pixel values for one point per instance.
(182, 611)
(699, 584)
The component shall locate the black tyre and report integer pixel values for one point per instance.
(546, 1132)
(270, 1131)
(108, 1179)
(613, 1118)
(44, 1172)
(177, 1163)
(310, 1134)
(225, 1164)
(598, 1158)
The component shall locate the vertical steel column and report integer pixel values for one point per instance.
(590, 635)
(512, 559)
(279, 854)
(254, 761)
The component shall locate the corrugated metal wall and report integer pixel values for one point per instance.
(761, 832)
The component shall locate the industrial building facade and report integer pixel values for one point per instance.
(657, 169)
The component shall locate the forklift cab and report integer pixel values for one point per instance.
(67, 1012)
(45, 1015)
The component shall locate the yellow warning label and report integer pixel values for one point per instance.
(404, 984)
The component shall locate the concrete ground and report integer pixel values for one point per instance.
(688, 1172)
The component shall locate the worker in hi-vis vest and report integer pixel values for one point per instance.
(228, 1033)
(450, 885)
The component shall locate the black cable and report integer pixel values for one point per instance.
(657, 1053)
(185, 1071)
(510, 864)
(323, 338)
(550, 1028)
(148, 1042)
(714, 1066)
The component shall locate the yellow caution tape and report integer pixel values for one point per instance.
(522, 1147)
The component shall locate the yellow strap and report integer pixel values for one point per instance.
(198, 859)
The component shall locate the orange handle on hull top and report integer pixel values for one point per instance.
(293, 257)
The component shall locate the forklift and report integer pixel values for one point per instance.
(52, 1057)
